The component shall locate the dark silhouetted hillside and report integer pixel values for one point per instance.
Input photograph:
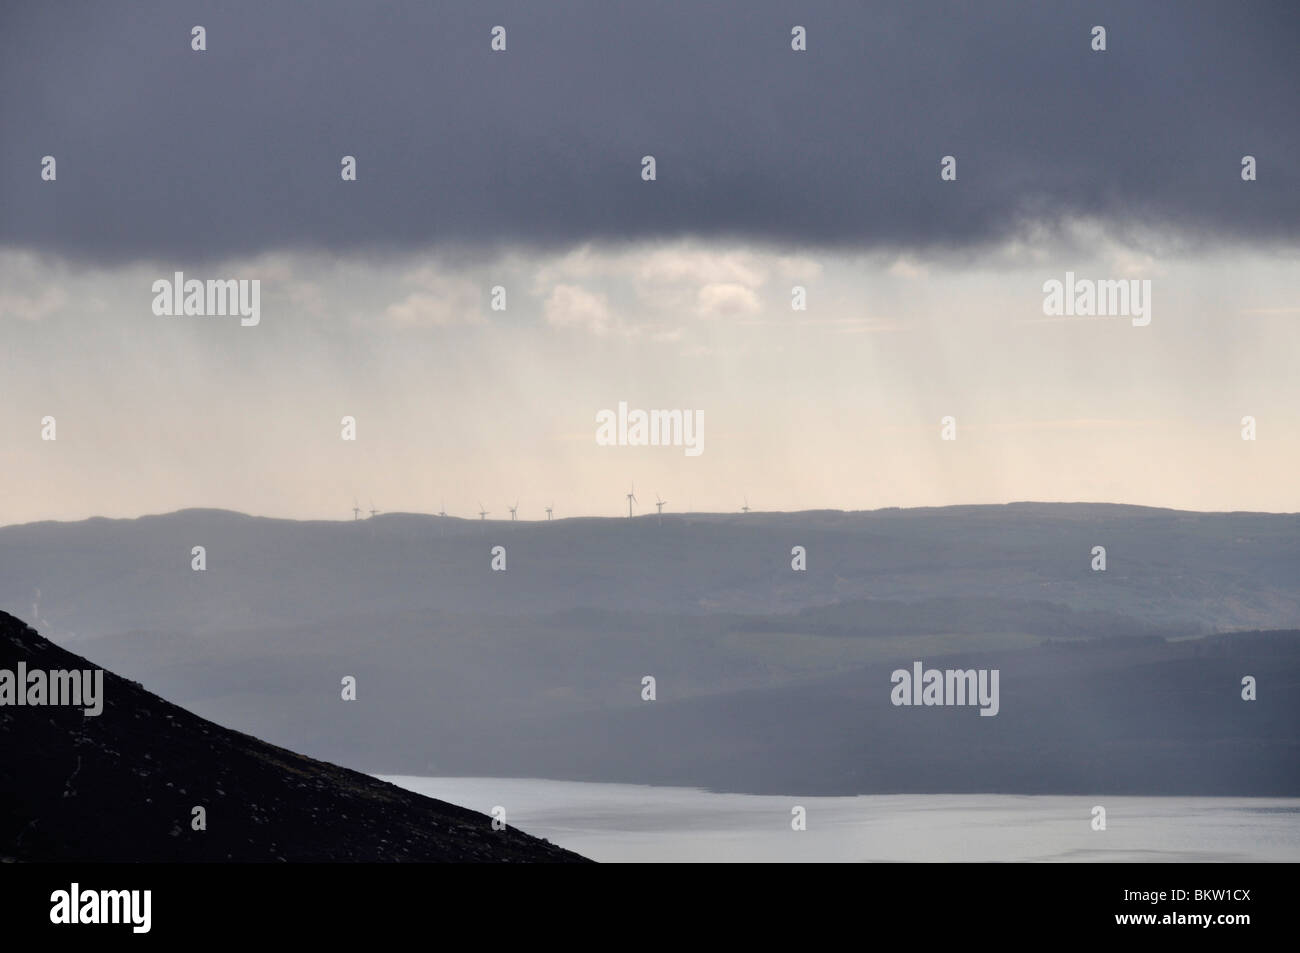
(121, 786)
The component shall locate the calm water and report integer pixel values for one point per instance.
(626, 822)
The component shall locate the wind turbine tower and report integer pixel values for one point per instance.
(631, 498)
(548, 512)
(513, 509)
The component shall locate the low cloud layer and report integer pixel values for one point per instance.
(167, 153)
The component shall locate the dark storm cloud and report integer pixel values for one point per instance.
(165, 152)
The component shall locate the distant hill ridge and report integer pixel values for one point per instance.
(767, 678)
(1164, 567)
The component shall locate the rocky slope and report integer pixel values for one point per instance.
(123, 785)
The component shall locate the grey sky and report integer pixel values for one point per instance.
(164, 152)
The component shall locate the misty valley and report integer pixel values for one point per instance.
(855, 675)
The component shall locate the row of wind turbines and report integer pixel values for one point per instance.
(483, 513)
(659, 502)
(514, 512)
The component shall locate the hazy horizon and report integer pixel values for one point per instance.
(828, 408)
(526, 517)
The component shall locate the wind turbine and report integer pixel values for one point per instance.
(373, 512)
(356, 510)
(512, 511)
(631, 498)
(548, 512)
(443, 510)
(482, 513)
(660, 503)
(745, 508)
